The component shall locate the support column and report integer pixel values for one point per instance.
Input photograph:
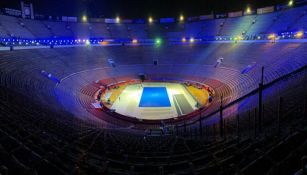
(279, 115)
(305, 107)
(238, 125)
(255, 123)
(221, 119)
(260, 101)
(249, 123)
(304, 162)
(200, 124)
(185, 128)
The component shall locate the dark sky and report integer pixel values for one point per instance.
(138, 8)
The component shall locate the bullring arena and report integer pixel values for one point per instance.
(225, 95)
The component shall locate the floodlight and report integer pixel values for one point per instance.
(150, 20)
(84, 18)
(299, 34)
(117, 19)
(87, 42)
(158, 41)
(248, 10)
(134, 41)
(192, 40)
(181, 18)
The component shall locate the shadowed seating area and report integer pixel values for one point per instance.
(231, 89)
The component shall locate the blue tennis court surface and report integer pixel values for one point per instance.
(154, 97)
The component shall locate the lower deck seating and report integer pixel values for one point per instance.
(37, 140)
(39, 136)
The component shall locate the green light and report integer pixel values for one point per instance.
(158, 41)
(87, 43)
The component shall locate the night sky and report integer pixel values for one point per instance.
(137, 8)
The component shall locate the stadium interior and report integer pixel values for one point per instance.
(223, 93)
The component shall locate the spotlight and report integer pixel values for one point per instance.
(272, 36)
(158, 41)
(84, 18)
(117, 19)
(183, 40)
(150, 20)
(192, 40)
(299, 34)
(248, 10)
(87, 42)
(238, 38)
(104, 43)
(290, 3)
(181, 18)
(134, 41)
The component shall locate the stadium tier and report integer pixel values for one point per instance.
(288, 20)
(161, 102)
